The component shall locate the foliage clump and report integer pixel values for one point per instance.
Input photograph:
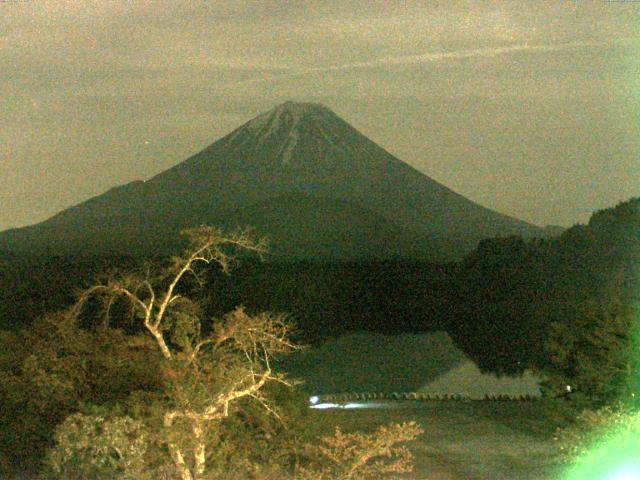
(360, 456)
(48, 370)
(93, 446)
(593, 353)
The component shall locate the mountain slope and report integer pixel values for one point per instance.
(297, 151)
(306, 226)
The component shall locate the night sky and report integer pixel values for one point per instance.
(531, 108)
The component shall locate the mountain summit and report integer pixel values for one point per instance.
(292, 129)
(298, 174)
(294, 134)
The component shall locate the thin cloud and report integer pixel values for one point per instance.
(432, 57)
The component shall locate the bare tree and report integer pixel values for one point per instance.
(206, 369)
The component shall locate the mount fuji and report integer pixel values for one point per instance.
(298, 174)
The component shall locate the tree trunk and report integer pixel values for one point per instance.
(174, 450)
(200, 451)
(178, 460)
(157, 334)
